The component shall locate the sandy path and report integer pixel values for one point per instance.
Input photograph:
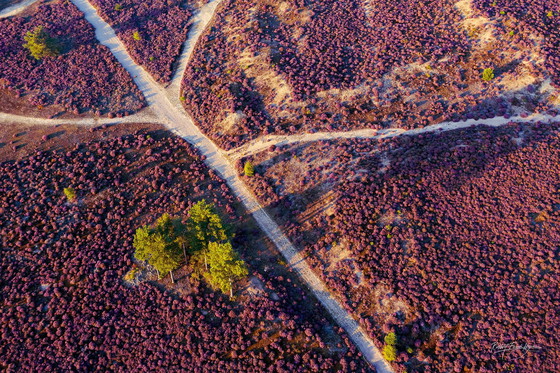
(264, 142)
(134, 118)
(16, 8)
(199, 23)
(175, 118)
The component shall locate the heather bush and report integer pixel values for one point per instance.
(161, 27)
(432, 226)
(326, 70)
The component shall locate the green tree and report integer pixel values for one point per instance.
(136, 35)
(160, 245)
(249, 169)
(389, 352)
(391, 339)
(204, 226)
(70, 194)
(40, 44)
(488, 74)
(225, 267)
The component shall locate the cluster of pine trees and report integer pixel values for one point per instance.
(203, 238)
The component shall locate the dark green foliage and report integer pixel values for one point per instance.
(160, 245)
(249, 169)
(70, 194)
(488, 74)
(40, 44)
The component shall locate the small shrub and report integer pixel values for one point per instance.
(249, 169)
(70, 194)
(136, 35)
(131, 275)
(182, 98)
(40, 44)
(389, 353)
(152, 58)
(488, 74)
(391, 339)
(118, 7)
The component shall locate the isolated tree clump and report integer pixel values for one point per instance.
(40, 44)
(70, 194)
(164, 244)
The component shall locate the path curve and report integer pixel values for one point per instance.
(134, 118)
(265, 142)
(177, 120)
(16, 8)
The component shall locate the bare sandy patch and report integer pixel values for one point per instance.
(270, 84)
(388, 304)
(230, 124)
(478, 27)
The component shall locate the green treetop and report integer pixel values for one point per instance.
(204, 226)
(40, 44)
(249, 169)
(70, 194)
(159, 246)
(225, 266)
(488, 74)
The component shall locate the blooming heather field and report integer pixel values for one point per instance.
(85, 77)
(448, 240)
(302, 66)
(65, 305)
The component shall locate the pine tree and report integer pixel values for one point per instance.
(70, 194)
(249, 169)
(40, 44)
(159, 246)
(225, 267)
(204, 226)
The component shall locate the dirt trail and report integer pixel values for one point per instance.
(134, 118)
(264, 142)
(163, 103)
(200, 21)
(16, 8)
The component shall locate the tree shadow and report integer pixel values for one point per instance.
(55, 134)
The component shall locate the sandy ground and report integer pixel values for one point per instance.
(264, 142)
(16, 8)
